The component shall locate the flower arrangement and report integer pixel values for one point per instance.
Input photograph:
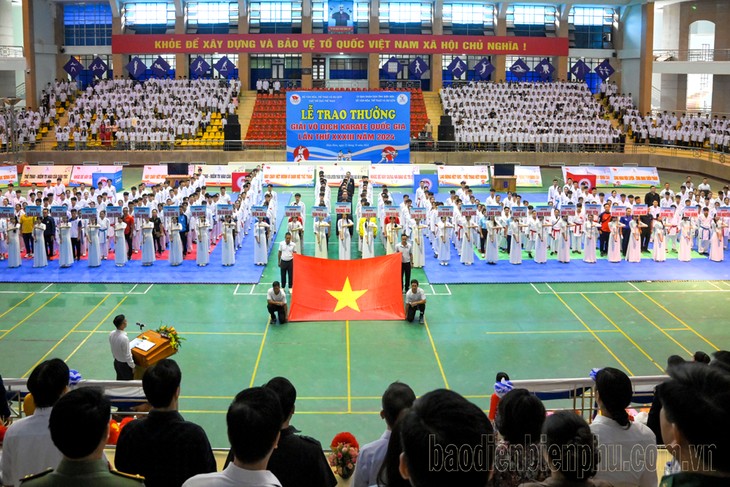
(171, 334)
(343, 458)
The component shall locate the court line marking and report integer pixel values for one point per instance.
(546, 332)
(634, 286)
(435, 353)
(68, 334)
(21, 302)
(608, 349)
(261, 351)
(682, 322)
(243, 333)
(103, 320)
(349, 381)
(713, 284)
(651, 359)
(28, 317)
(133, 288)
(654, 324)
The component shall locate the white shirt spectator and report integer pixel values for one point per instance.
(287, 250)
(120, 347)
(234, 476)
(369, 461)
(626, 456)
(278, 298)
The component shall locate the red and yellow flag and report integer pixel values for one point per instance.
(338, 290)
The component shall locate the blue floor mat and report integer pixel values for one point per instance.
(161, 272)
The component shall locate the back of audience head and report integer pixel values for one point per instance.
(695, 417)
(79, 423)
(520, 416)
(286, 392)
(614, 392)
(439, 427)
(254, 421)
(48, 382)
(501, 376)
(161, 383)
(721, 360)
(396, 398)
(571, 446)
(701, 357)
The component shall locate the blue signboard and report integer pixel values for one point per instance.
(358, 126)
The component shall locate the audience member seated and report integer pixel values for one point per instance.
(28, 448)
(519, 421)
(162, 447)
(254, 422)
(572, 452)
(437, 422)
(79, 427)
(397, 398)
(695, 420)
(623, 442)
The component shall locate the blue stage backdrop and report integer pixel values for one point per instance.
(348, 126)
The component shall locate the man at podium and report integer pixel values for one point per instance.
(123, 361)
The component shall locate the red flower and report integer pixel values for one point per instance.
(344, 437)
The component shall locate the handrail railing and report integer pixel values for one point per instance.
(691, 55)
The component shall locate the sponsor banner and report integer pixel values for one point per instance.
(224, 210)
(344, 125)
(567, 210)
(199, 211)
(640, 210)
(629, 177)
(59, 211)
(114, 177)
(293, 211)
(8, 175)
(33, 210)
(217, 175)
(470, 210)
(544, 211)
(85, 174)
(445, 211)
(527, 176)
(343, 207)
(418, 212)
(519, 211)
(392, 211)
(395, 175)
(258, 211)
(319, 212)
(432, 182)
(669, 213)
(593, 209)
(142, 212)
(691, 211)
(723, 211)
(335, 173)
(152, 175)
(87, 213)
(475, 176)
(618, 211)
(289, 175)
(40, 174)
(348, 44)
(369, 212)
(116, 211)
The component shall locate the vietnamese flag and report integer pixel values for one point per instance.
(589, 179)
(339, 290)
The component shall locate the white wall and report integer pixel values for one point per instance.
(45, 45)
(631, 53)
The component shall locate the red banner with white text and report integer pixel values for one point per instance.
(319, 43)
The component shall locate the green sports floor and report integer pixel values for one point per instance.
(340, 369)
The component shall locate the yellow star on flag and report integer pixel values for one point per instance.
(347, 298)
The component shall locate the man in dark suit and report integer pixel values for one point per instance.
(49, 233)
(651, 197)
(625, 230)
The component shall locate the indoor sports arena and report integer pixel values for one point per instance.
(388, 228)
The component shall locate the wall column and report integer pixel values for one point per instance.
(561, 62)
(373, 58)
(244, 58)
(437, 74)
(118, 60)
(31, 98)
(646, 62)
(500, 61)
(307, 79)
(182, 61)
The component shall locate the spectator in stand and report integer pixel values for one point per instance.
(695, 419)
(622, 441)
(254, 422)
(439, 419)
(27, 448)
(79, 428)
(397, 398)
(571, 451)
(518, 456)
(162, 447)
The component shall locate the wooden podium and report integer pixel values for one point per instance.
(505, 183)
(160, 350)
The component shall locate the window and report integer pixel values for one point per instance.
(406, 17)
(87, 24)
(468, 18)
(211, 17)
(275, 17)
(347, 68)
(531, 20)
(148, 18)
(592, 27)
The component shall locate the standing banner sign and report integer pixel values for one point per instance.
(640, 210)
(199, 211)
(567, 210)
(691, 211)
(88, 213)
(292, 211)
(142, 211)
(723, 212)
(343, 208)
(289, 175)
(469, 210)
(519, 211)
(397, 175)
(418, 212)
(368, 212)
(527, 176)
(392, 211)
(217, 175)
(41, 174)
(319, 212)
(9, 174)
(593, 209)
(7, 211)
(544, 211)
(346, 125)
(475, 176)
(335, 173)
(258, 211)
(154, 174)
(618, 211)
(112, 211)
(33, 210)
(432, 182)
(224, 210)
(85, 174)
(629, 177)
(669, 213)
(494, 211)
(445, 211)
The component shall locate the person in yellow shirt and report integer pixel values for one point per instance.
(26, 229)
